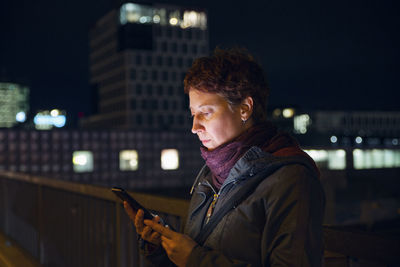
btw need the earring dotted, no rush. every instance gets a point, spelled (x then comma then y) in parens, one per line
(244, 121)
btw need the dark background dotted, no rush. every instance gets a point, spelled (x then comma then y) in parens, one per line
(317, 54)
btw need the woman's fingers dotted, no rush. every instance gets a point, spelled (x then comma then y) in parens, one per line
(146, 233)
(156, 219)
(164, 231)
(155, 237)
(139, 221)
(165, 244)
(131, 213)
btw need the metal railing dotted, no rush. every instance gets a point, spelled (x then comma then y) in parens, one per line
(68, 224)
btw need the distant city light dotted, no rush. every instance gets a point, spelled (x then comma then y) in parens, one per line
(277, 112)
(173, 21)
(54, 112)
(79, 160)
(132, 17)
(317, 155)
(333, 139)
(376, 158)
(301, 122)
(128, 160)
(331, 159)
(144, 14)
(20, 117)
(288, 112)
(130, 7)
(340, 153)
(156, 19)
(190, 18)
(144, 19)
(45, 120)
(82, 161)
(359, 140)
(59, 121)
(14, 104)
(169, 159)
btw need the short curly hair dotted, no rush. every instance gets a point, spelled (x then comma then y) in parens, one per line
(233, 74)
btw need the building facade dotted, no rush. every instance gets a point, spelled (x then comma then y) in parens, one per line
(341, 128)
(139, 55)
(14, 104)
(130, 159)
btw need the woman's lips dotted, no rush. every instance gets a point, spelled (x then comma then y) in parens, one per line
(205, 141)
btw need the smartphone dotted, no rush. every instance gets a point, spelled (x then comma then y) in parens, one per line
(122, 194)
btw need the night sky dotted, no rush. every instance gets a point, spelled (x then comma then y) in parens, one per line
(317, 54)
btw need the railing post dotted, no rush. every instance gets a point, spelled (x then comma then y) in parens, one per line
(118, 233)
(5, 206)
(40, 227)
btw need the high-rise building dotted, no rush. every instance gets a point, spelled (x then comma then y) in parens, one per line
(14, 103)
(139, 54)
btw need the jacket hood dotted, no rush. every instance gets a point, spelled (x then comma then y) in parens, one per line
(256, 159)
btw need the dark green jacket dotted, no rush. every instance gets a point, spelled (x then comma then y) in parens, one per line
(279, 223)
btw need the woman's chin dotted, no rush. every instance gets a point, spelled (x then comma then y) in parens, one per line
(206, 143)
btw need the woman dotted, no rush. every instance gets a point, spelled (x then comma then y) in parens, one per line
(258, 200)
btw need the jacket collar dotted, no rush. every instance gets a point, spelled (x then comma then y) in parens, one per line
(251, 163)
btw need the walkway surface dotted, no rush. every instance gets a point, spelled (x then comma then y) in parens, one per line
(11, 255)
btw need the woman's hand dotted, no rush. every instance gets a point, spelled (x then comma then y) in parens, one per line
(177, 246)
(143, 230)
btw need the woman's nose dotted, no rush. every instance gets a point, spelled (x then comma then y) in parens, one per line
(196, 127)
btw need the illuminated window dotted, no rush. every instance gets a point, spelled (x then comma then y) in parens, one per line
(13, 104)
(337, 159)
(134, 13)
(128, 160)
(330, 159)
(82, 161)
(301, 122)
(144, 14)
(169, 159)
(376, 158)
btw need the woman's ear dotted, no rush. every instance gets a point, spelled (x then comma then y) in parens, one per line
(246, 108)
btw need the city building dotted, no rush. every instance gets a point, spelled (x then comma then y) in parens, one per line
(136, 160)
(139, 54)
(14, 104)
(167, 162)
(341, 128)
(339, 140)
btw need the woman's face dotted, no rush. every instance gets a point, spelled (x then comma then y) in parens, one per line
(214, 122)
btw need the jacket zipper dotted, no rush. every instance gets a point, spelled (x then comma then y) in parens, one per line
(211, 208)
(214, 201)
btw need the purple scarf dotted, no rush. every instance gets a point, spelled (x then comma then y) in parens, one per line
(264, 135)
(221, 160)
